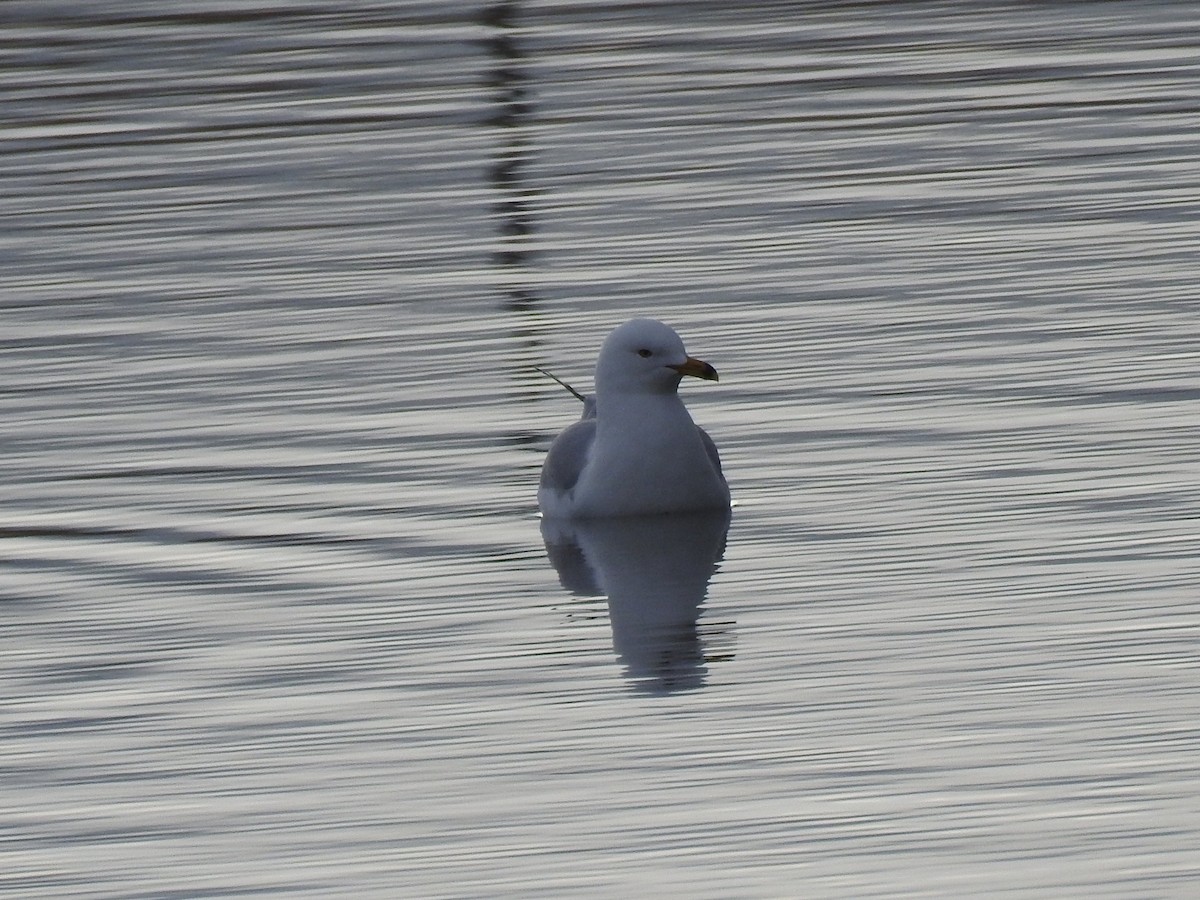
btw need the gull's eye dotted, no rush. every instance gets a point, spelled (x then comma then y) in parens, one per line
(644, 353)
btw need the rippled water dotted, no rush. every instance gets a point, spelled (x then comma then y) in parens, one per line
(279, 615)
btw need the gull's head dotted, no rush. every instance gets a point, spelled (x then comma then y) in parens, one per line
(646, 356)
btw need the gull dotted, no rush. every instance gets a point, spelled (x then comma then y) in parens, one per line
(636, 451)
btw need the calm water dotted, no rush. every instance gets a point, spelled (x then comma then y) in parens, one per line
(279, 616)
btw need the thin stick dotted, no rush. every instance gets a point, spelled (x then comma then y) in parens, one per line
(578, 396)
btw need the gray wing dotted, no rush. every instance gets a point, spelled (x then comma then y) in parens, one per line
(568, 455)
(711, 449)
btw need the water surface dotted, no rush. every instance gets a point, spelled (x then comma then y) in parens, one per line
(279, 614)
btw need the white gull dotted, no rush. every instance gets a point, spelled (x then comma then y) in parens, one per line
(637, 451)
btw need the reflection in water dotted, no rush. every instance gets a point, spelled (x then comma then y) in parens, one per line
(655, 572)
(507, 79)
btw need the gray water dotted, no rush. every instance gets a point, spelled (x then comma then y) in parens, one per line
(279, 616)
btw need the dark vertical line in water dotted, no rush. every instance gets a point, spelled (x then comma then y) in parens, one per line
(508, 82)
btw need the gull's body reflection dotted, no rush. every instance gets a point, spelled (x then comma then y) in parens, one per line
(655, 572)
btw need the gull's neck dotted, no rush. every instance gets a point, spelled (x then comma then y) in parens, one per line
(642, 409)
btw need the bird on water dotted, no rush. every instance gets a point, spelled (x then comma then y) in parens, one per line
(636, 451)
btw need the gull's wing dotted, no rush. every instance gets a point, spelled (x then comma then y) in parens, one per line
(567, 456)
(711, 449)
